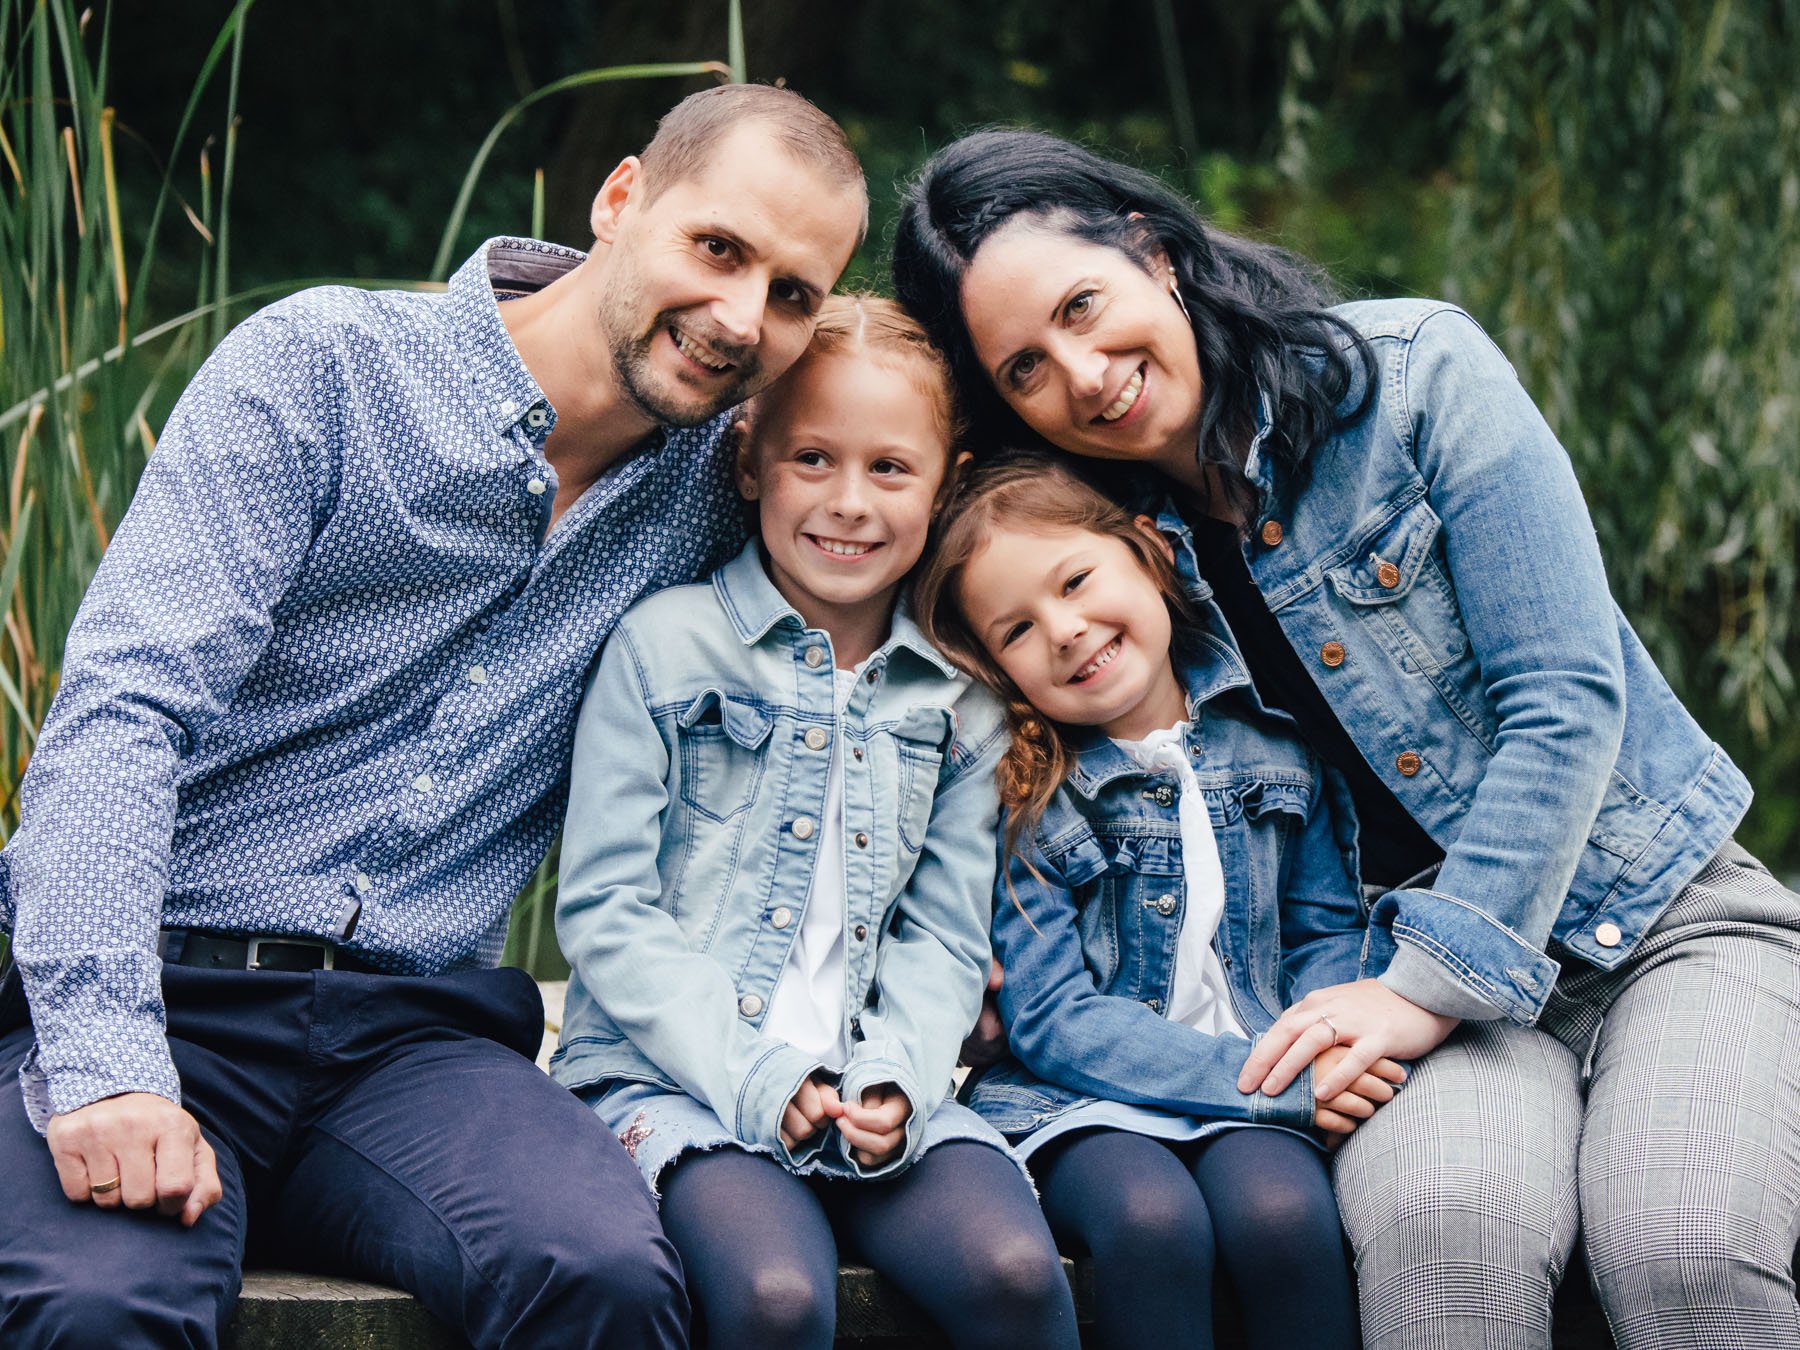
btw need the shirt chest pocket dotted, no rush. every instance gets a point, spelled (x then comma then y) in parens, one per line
(1398, 589)
(920, 739)
(722, 740)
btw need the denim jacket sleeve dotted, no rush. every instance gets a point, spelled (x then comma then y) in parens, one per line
(1323, 924)
(1526, 568)
(629, 951)
(178, 612)
(937, 942)
(1066, 1031)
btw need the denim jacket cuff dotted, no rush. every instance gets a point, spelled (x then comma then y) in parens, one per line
(867, 1074)
(764, 1097)
(1293, 1106)
(1484, 958)
(1418, 979)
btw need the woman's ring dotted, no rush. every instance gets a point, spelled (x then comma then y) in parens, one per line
(1333, 1027)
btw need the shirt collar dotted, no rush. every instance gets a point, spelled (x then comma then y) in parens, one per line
(504, 267)
(755, 607)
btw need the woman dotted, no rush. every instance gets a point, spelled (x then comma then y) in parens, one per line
(1612, 985)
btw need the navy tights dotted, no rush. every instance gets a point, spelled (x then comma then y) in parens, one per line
(958, 1231)
(1156, 1217)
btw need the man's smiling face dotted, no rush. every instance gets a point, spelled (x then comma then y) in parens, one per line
(713, 286)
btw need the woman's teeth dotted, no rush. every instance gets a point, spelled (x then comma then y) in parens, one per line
(1128, 397)
(1105, 657)
(694, 351)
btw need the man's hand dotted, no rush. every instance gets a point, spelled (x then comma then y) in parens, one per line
(153, 1148)
(815, 1103)
(987, 1042)
(875, 1128)
(1348, 1109)
(1366, 1016)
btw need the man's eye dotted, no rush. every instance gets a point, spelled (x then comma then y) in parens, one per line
(787, 293)
(715, 247)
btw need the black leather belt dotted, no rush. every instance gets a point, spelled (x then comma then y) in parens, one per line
(254, 951)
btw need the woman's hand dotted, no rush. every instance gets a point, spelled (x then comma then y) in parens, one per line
(815, 1103)
(875, 1128)
(1366, 1018)
(1349, 1108)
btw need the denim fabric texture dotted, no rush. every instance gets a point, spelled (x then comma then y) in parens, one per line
(324, 680)
(701, 759)
(1089, 947)
(1438, 571)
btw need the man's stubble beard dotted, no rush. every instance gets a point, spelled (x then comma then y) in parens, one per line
(634, 366)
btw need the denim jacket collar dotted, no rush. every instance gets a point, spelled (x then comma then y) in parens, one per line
(754, 607)
(1256, 467)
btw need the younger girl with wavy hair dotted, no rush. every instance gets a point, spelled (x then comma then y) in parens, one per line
(1178, 869)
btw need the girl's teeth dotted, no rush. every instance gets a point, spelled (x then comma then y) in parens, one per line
(843, 549)
(1127, 397)
(1104, 659)
(692, 349)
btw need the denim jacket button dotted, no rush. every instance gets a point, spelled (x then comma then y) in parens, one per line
(815, 657)
(750, 1005)
(1332, 654)
(1387, 574)
(803, 827)
(1165, 905)
(1271, 532)
(1164, 795)
(1153, 1004)
(861, 930)
(1608, 935)
(862, 839)
(815, 738)
(782, 916)
(1408, 763)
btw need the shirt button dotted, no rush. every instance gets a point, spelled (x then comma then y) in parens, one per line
(508, 407)
(1608, 935)
(782, 916)
(816, 738)
(862, 840)
(1387, 574)
(815, 657)
(422, 783)
(477, 674)
(862, 931)
(1332, 654)
(536, 487)
(1271, 532)
(362, 881)
(750, 1005)
(1165, 905)
(1408, 763)
(536, 418)
(803, 827)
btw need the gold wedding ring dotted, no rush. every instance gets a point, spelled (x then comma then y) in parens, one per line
(105, 1187)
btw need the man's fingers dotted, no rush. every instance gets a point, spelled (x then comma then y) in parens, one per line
(1351, 1067)
(176, 1159)
(207, 1189)
(137, 1176)
(72, 1172)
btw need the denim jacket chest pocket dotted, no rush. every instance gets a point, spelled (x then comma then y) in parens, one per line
(1400, 592)
(721, 736)
(1255, 823)
(919, 739)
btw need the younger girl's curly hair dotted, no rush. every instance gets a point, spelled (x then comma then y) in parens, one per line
(1039, 493)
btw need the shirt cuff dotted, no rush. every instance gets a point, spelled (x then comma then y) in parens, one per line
(100, 1032)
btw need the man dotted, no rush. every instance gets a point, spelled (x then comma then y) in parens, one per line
(313, 734)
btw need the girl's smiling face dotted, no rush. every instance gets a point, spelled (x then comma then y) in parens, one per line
(1075, 621)
(1089, 348)
(845, 470)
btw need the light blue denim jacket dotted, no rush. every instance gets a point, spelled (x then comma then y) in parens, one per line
(1488, 677)
(688, 854)
(1089, 949)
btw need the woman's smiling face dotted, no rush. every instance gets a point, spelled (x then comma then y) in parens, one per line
(1086, 346)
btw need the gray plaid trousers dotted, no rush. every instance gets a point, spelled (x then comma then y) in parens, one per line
(1655, 1108)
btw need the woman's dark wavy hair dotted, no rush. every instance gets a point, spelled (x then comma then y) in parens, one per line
(1258, 312)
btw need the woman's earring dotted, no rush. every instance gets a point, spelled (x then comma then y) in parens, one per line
(1175, 290)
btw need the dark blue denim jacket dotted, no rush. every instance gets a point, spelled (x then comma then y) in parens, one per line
(1089, 947)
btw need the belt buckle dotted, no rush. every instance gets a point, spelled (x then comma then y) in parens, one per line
(252, 959)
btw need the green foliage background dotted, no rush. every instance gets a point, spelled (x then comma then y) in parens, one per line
(1612, 188)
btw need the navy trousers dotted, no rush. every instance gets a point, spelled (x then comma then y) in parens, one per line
(382, 1127)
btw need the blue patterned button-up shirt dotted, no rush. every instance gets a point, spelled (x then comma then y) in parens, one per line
(324, 681)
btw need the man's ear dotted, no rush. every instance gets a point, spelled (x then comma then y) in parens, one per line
(1156, 536)
(623, 186)
(745, 461)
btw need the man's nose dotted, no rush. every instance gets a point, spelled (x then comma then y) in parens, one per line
(739, 311)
